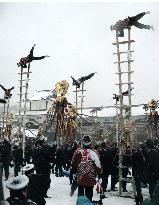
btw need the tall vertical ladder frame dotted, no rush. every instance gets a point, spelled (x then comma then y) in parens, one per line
(81, 96)
(122, 134)
(24, 79)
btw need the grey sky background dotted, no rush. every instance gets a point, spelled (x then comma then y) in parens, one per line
(78, 38)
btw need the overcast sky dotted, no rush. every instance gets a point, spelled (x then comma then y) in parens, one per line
(77, 36)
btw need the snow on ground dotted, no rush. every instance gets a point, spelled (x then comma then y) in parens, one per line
(60, 194)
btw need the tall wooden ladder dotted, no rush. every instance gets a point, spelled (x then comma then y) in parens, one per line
(81, 96)
(124, 127)
(24, 79)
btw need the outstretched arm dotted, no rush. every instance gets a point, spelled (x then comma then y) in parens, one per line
(74, 81)
(11, 88)
(82, 79)
(2, 87)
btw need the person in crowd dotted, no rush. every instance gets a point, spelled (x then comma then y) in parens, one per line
(34, 190)
(155, 197)
(138, 161)
(86, 166)
(6, 156)
(18, 191)
(114, 166)
(17, 155)
(59, 161)
(152, 164)
(126, 163)
(106, 162)
(41, 159)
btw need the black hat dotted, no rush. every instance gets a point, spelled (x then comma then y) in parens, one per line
(86, 140)
(149, 143)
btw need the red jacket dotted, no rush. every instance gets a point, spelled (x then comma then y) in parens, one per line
(86, 164)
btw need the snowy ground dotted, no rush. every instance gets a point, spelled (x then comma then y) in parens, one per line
(60, 194)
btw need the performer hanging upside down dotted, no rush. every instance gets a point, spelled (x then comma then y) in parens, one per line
(29, 58)
(129, 22)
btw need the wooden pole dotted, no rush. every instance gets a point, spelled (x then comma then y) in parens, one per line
(76, 99)
(129, 89)
(24, 115)
(121, 116)
(82, 108)
(117, 123)
(4, 115)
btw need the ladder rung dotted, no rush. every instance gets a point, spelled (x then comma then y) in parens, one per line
(23, 101)
(123, 42)
(25, 72)
(125, 95)
(122, 52)
(22, 94)
(24, 80)
(23, 86)
(124, 61)
(79, 90)
(124, 83)
(125, 72)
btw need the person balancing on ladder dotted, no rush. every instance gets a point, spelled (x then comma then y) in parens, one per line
(23, 61)
(129, 22)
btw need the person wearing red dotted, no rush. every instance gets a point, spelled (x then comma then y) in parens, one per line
(86, 166)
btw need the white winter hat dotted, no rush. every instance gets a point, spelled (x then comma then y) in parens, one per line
(17, 183)
(28, 167)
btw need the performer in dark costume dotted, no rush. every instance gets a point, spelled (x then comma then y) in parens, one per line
(81, 80)
(129, 22)
(7, 92)
(30, 58)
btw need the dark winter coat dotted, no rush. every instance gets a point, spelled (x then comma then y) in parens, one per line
(155, 197)
(35, 189)
(59, 157)
(138, 162)
(41, 159)
(6, 151)
(106, 159)
(152, 163)
(17, 155)
(16, 201)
